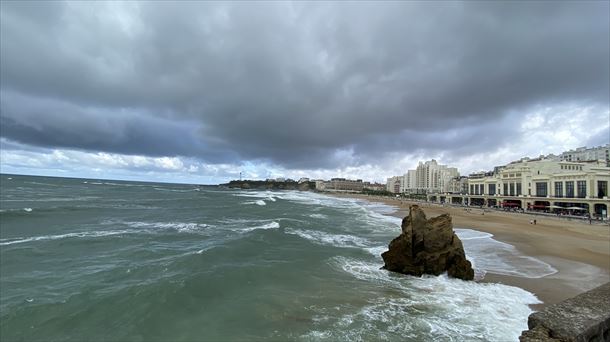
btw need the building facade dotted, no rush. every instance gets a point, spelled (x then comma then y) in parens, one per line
(540, 184)
(587, 154)
(343, 184)
(394, 184)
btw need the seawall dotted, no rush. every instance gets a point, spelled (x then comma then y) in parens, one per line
(585, 318)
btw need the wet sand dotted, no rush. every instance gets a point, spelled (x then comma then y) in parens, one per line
(579, 251)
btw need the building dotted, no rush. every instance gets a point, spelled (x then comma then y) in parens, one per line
(540, 184)
(394, 184)
(458, 185)
(428, 177)
(342, 184)
(409, 182)
(320, 184)
(432, 177)
(374, 186)
(586, 154)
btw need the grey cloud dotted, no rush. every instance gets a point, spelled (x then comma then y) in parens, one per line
(293, 83)
(601, 138)
(53, 123)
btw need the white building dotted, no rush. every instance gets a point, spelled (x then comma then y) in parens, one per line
(433, 177)
(586, 154)
(540, 184)
(394, 184)
(319, 184)
(409, 182)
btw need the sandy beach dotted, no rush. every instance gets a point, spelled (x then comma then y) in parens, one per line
(579, 251)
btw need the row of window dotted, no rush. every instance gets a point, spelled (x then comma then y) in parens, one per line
(515, 189)
(571, 167)
(511, 175)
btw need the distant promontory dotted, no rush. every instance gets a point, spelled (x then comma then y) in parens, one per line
(271, 185)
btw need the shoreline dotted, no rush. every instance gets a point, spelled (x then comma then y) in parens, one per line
(580, 252)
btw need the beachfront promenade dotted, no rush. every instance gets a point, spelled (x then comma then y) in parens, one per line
(596, 208)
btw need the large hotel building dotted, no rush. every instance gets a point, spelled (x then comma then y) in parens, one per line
(545, 184)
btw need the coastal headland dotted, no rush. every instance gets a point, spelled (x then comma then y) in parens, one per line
(580, 252)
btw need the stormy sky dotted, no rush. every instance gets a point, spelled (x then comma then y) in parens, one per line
(199, 91)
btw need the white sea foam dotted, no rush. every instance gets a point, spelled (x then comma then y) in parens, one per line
(93, 234)
(179, 226)
(318, 216)
(53, 199)
(489, 255)
(175, 190)
(45, 184)
(270, 225)
(376, 251)
(438, 308)
(301, 197)
(257, 202)
(16, 210)
(323, 238)
(137, 227)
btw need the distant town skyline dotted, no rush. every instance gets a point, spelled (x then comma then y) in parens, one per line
(197, 92)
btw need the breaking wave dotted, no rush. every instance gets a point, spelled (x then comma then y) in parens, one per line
(425, 308)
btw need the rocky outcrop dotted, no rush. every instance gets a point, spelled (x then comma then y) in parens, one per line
(271, 185)
(585, 318)
(427, 247)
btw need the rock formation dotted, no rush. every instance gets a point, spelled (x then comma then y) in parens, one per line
(427, 247)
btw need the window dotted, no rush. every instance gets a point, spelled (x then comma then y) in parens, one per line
(471, 189)
(602, 189)
(558, 189)
(581, 187)
(492, 189)
(570, 189)
(519, 193)
(541, 190)
(512, 189)
(505, 192)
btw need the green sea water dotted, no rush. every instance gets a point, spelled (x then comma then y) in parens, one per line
(96, 260)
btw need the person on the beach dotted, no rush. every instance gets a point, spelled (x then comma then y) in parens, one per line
(534, 222)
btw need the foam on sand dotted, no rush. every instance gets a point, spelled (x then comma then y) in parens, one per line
(489, 255)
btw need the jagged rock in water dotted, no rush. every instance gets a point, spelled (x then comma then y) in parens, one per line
(427, 247)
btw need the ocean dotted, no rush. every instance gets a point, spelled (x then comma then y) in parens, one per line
(99, 260)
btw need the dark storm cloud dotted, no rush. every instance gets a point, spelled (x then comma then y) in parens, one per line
(298, 84)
